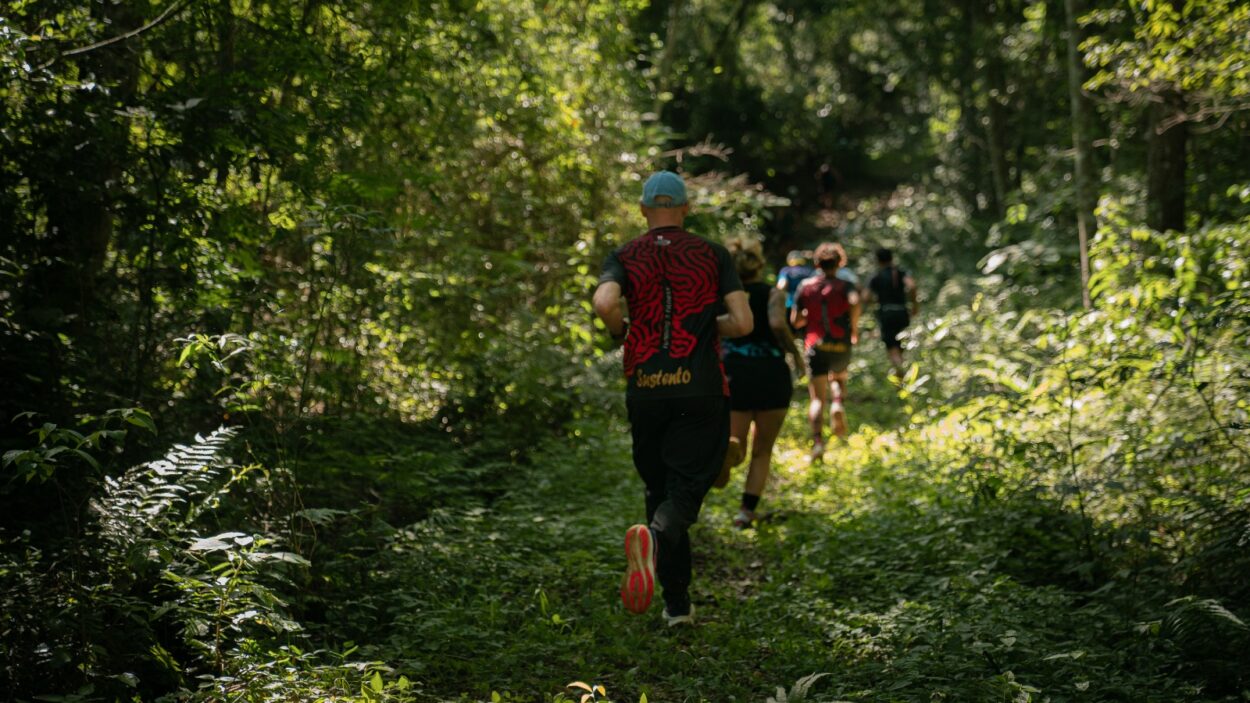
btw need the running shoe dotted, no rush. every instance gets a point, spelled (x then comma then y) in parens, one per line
(733, 456)
(638, 585)
(818, 452)
(744, 519)
(675, 615)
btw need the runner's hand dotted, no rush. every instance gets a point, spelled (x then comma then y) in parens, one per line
(796, 369)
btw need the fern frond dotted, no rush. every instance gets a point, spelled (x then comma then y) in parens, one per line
(1192, 618)
(798, 691)
(163, 495)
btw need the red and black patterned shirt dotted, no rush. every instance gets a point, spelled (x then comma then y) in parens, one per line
(675, 283)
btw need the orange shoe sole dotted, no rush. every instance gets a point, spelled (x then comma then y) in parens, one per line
(638, 585)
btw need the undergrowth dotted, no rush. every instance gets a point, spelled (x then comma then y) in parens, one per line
(1050, 506)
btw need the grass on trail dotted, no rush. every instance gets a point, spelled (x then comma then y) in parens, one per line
(868, 568)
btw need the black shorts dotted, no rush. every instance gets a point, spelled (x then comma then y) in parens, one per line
(828, 357)
(758, 384)
(892, 323)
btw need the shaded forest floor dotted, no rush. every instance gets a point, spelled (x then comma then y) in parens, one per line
(868, 569)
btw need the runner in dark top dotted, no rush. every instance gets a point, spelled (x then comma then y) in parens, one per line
(895, 291)
(827, 307)
(795, 272)
(679, 287)
(759, 379)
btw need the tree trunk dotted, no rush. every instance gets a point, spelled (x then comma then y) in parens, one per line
(1080, 143)
(996, 131)
(972, 164)
(1165, 165)
(79, 199)
(666, 55)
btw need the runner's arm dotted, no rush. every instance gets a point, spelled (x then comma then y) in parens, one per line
(853, 299)
(909, 285)
(781, 327)
(738, 321)
(798, 315)
(607, 305)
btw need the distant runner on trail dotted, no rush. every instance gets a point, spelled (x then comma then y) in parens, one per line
(683, 295)
(894, 289)
(759, 379)
(827, 307)
(795, 272)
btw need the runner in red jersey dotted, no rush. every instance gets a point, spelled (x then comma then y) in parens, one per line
(683, 294)
(827, 308)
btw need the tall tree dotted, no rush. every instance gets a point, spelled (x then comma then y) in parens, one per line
(1166, 163)
(1167, 137)
(1081, 147)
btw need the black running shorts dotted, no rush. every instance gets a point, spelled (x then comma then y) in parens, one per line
(892, 323)
(828, 357)
(758, 384)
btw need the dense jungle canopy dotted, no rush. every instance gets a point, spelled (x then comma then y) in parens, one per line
(303, 398)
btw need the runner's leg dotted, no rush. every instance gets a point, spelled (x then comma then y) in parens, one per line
(646, 423)
(767, 427)
(896, 360)
(693, 450)
(739, 426)
(892, 324)
(818, 392)
(837, 409)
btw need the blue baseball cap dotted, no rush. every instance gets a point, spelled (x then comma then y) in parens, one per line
(664, 189)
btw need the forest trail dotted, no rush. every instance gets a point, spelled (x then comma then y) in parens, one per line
(364, 238)
(860, 572)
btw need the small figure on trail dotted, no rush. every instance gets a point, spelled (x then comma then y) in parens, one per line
(759, 379)
(827, 307)
(677, 285)
(895, 291)
(794, 273)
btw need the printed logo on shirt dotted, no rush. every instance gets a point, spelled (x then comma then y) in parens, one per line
(680, 377)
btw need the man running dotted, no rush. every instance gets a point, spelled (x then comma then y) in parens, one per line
(893, 288)
(827, 307)
(676, 284)
(794, 273)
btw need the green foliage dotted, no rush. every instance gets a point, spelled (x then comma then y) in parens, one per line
(730, 207)
(40, 462)
(139, 569)
(1196, 48)
(364, 234)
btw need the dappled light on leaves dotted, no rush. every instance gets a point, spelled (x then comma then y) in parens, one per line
(304, 396)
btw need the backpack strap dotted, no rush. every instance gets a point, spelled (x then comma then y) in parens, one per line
(824, 317)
